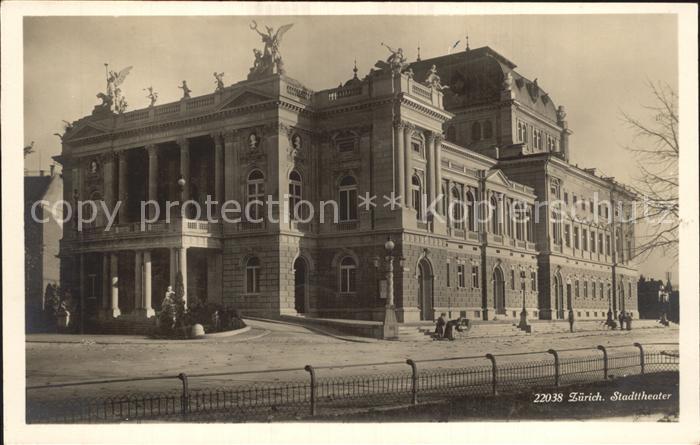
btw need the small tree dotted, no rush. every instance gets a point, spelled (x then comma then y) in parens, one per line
(179, 300)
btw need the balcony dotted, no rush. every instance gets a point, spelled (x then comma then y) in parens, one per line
(174, 233)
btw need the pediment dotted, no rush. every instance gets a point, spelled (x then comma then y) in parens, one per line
(86, 131)
(498, 177)
(245, 98)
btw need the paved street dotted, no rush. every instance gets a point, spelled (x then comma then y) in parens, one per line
(272, 346)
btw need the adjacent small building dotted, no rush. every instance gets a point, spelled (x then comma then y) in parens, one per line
(42, 233)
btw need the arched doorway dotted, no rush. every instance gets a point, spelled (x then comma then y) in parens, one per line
(499, 291)
(558, 289)
(425, 290)
(301, 274)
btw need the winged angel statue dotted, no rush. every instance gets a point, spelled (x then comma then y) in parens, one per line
(113, 99)
(268, 61)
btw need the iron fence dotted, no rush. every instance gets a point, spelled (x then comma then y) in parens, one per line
(330, 395)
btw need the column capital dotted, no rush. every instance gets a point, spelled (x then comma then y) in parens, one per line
(121, 155)
(152, 150)
(229, 135)
(217, 136)
(182, 142)
(435, 137)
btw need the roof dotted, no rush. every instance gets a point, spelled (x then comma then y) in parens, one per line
(477, 76)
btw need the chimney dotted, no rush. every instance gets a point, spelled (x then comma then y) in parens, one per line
(41, 172)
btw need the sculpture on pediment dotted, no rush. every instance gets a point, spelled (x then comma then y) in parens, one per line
(112, 99)
(269, 61)
(396, 60)
(253, 141)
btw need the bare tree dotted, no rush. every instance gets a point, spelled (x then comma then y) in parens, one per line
(655, 148)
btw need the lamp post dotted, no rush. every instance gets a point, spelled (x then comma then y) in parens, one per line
(523, 314)
(390, 327)
(181, 184)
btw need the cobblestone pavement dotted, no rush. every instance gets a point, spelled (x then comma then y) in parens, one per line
(281, 347)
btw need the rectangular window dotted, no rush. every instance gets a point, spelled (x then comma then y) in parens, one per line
(592, 241)
(460, 276)
(566, 197)
(345, 145)
(475, 277)
(593, 289)
(585, 289)
(447, 274)
(576, 238)
(523, 280)
(600, 242)
(416, 147)
(584, 238)
(533, 281)
(512, 279)
(567, 235)
(607, 244)
(576, 289)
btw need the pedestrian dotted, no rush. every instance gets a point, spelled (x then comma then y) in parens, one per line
(621, 317)
(440, 326)
(629, 321)
(571, 320)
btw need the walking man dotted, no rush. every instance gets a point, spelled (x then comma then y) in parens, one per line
(571, 320)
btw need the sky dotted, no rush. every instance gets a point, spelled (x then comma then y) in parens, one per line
(595, 65)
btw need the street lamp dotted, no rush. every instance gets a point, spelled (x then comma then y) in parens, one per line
(181, 182)
(390, 327)
(523, 325)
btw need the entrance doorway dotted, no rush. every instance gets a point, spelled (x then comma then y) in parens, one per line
(559, 296)
(425, 290)
(300, 285)
(499, 291)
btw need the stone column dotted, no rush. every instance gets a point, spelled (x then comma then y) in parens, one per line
(431, 190)
(218, 169)
(230, 174)
(108, 180)
(408, 165)
(184, 144)
(81, 288)
(106, 284)
(138, 281)
(114, 278)
(437, 141)
(173, 266)
(152, 176)
(146, 310)
(182, 268)
(122, 186)
(399, 161)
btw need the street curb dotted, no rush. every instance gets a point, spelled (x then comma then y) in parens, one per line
(315, 329)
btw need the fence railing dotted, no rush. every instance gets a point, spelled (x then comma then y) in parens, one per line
(319, 395)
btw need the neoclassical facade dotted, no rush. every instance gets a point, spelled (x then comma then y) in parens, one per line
(493, 141)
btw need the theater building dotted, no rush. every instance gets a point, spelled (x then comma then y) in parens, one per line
(494, 141)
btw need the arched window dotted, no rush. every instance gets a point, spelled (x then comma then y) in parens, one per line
(295, 196)
(457, 215)
(495, 223)
(488, 130)
(476, 131)
(444, 200)
(348, 275)
(256, 194)
(417, 196)
(508, 217)
(348, 199)
(593, 289)
(471, 211)
(252, 275)
(451, 133)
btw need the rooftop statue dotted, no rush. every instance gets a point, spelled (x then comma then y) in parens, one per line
(396, 61)
(219, 81)
(269, 61)
(152, 95)
(112, 99)
(432, 79)
(185, 90)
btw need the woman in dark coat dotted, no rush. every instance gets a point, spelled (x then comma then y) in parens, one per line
(440, 326)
